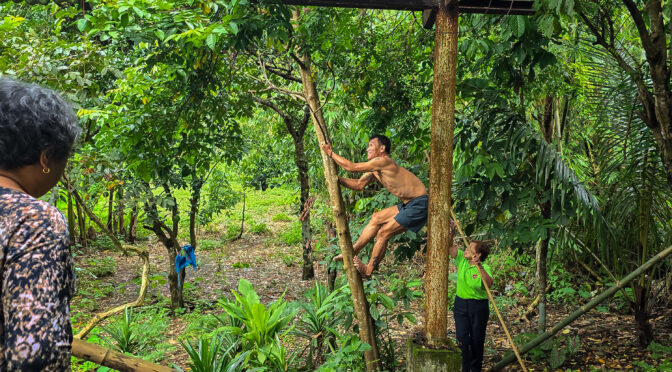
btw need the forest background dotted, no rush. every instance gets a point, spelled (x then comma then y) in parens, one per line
(196, 131)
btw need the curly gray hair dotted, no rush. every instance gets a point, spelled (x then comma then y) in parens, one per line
(34, 119)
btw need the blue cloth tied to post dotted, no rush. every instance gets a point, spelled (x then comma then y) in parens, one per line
(182, 261)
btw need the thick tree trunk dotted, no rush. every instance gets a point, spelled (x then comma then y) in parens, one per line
(361, 305)
(441, 172)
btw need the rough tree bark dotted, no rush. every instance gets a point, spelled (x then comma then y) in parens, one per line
(441, 171)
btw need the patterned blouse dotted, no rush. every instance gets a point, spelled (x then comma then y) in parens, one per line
(36, 270)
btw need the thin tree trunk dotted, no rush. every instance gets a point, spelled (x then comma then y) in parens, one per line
(132, 226)
(168, 237)
(120, 212)
(71, 215)
(361, 305)
(547, 127)
(308, 271)
(542, 280)
(193, 211)
(110, 211)
(331, 271)
(584, 309)
(439, 239)
(82, 224)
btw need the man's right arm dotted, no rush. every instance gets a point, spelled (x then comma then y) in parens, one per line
(357, 184)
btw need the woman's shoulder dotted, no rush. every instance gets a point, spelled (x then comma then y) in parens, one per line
(18, 208)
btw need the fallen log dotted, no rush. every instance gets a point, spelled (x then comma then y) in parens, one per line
(113, 359)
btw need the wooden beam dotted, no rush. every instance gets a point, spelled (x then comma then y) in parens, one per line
(518, 7)
(428, 18)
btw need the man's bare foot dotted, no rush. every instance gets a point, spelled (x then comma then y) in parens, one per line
(361, 267)
(338, 258)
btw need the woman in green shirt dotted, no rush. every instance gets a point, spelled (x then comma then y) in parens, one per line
(471, 309)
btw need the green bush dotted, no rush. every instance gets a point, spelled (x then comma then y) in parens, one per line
(281, 217)
(208, 245)
(258, 228)
(100, 267)
(292, 235)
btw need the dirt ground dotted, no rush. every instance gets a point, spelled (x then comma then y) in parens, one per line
(608, 342)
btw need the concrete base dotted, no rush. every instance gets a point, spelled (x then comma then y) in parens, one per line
(421, 359)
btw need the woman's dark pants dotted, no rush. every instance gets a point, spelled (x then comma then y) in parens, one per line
(471, 318)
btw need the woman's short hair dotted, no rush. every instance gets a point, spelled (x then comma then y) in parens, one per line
(34, 119)
(483, 248)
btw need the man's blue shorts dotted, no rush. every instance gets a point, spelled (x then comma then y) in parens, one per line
(413, 215)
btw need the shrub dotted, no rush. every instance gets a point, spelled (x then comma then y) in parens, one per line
(100, 267)
(292, 235)
(281, 217)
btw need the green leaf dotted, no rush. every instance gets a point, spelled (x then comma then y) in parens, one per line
(82, 23)
(211, 41)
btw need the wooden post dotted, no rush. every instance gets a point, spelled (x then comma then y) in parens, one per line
(366, 328)
(441, 172)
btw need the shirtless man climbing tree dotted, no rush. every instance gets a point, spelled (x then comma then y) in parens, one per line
(411, 214)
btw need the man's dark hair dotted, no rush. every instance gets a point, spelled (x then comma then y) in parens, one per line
(483, 248)
(33, 119)
(383, 141)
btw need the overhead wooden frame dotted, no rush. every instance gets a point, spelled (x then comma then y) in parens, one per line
(519, 7)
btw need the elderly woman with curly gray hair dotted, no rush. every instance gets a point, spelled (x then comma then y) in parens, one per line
(37, 131)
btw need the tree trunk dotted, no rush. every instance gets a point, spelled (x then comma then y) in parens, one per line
(81, 222)
(120, 212)
(584, 309)
(331, 271)
(71, 216)
(361, 305)
(439, 239)
(132, 226)
(548, 131)
(308, 271)
(110, 211)
(542, 280)
(642, 315)
(196, 188)
(168, 237)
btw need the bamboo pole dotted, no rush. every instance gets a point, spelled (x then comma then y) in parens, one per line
(585, 308)
(112, 359)
(487, 289)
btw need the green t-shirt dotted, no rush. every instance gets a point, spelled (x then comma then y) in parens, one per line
(469, 284)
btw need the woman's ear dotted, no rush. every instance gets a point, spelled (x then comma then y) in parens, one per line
(44, 160)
